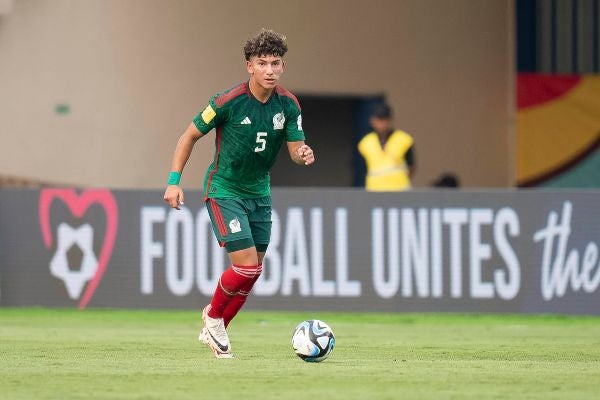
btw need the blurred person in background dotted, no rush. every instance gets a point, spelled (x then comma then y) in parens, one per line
(388, 153)
(447, 180)
(252, 121)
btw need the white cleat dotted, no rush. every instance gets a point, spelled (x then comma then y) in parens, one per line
(214, 335)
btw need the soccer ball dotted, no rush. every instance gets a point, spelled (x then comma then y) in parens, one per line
(313, 340)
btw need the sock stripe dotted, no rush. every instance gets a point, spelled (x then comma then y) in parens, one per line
(227, 292)
(248, 272)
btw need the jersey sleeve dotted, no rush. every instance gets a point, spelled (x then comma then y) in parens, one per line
(293, 126)
(210, 117)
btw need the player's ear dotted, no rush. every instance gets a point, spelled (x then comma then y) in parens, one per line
(249, 67)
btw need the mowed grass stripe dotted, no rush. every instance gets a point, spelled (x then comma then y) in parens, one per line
(122, 354)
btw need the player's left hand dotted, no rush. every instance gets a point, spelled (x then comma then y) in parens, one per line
(307, 154)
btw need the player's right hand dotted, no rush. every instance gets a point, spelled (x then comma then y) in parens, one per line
(174, 196)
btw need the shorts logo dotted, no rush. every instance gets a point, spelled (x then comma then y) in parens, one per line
(235, 226)
(92, 266)
(278, 121)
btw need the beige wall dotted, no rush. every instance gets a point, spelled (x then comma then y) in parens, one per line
(135, 72)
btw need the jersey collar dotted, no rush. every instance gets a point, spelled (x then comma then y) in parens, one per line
(257, 100)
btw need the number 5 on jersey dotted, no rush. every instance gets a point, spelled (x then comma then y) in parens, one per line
(261, 139)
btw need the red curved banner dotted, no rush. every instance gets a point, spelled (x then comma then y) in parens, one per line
(558, 124)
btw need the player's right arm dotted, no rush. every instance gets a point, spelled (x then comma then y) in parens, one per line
(174, 194)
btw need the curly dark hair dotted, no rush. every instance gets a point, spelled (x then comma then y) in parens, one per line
(266, 43)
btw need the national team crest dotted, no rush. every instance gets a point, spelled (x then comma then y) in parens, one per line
(235, 225)
(278, 121)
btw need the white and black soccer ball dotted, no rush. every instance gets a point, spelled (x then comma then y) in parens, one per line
(313, 340)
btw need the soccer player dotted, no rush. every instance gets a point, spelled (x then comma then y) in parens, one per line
(252, 120)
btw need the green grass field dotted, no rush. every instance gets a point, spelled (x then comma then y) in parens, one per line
(108, 354)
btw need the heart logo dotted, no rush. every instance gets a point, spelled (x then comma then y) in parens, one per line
(78, 205)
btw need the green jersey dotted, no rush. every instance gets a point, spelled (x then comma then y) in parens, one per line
(249, 136)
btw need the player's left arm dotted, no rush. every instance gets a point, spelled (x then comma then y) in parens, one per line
(301, 153)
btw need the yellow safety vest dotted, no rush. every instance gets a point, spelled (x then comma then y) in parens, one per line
(386, 167)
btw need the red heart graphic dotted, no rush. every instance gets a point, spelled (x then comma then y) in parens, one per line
(78, 204)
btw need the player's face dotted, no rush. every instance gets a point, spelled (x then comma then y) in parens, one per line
(265, 70)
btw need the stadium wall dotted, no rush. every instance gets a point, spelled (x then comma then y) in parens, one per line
(95, 93)
(481, 251)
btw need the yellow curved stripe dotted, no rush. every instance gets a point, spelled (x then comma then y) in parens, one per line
(552, 134)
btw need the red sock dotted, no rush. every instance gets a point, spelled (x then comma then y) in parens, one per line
(237, 302)
(229, 285)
